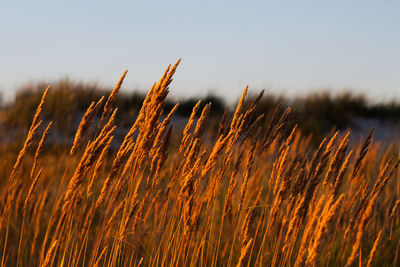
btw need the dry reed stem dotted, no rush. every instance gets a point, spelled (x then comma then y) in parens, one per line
(50, 254)
(334, 166)
(91, 154)
(39, 149)
(212, 159)
(222, 126)
(97, 168)
(185, 135)
(308, 232)
(374, 249)
(32, 131)
(246, 177)
(111, 220)
(38, 216)
(108, 106)
(85, 124)
(328, 214)
(235, 120)
(340, 176)
(363, 152)
(23, 151)
(361, 229)
(244, 253)
(39, 108)
(393, 217)
(100, 258)
(31, 189)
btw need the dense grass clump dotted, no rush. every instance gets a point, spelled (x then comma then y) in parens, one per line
(256, 193)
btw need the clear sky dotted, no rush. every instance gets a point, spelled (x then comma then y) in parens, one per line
(282, 46)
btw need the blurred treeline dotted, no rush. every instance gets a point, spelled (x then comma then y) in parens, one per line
(315, 113)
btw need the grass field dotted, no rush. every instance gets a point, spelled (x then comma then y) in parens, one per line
(177, 197)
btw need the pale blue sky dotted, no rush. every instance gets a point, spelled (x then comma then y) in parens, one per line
(283, 46)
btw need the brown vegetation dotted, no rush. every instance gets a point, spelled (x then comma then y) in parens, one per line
(248, 197)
